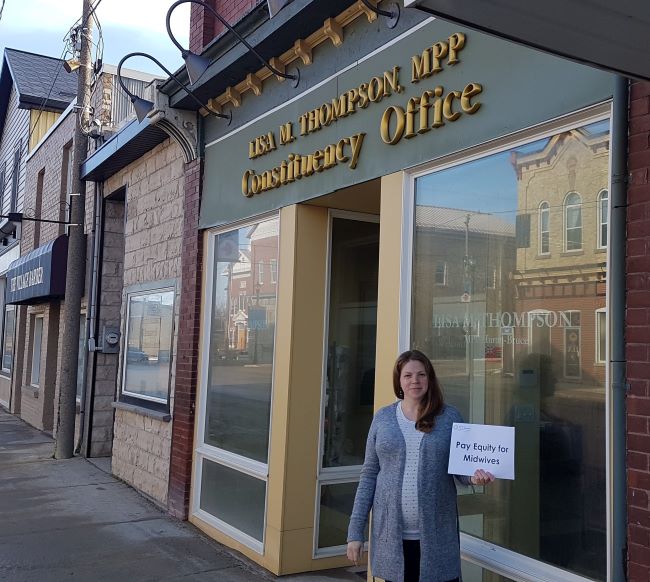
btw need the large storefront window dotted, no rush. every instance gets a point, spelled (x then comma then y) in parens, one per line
(528, 351)
(9, 330)
(239, 378)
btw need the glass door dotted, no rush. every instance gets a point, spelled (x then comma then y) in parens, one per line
(349, 379)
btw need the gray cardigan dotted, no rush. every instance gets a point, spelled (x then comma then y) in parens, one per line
(380, 488)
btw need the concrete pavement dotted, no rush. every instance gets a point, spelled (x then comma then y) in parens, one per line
(72, 520)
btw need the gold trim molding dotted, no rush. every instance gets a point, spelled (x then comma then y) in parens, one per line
(332, 31)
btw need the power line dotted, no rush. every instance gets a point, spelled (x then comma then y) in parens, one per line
(2, 7)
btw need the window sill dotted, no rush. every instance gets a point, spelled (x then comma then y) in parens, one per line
(600, 250)
(543, 256)
(33, 391)
(5, 374)
(575, 253)
(142, 411)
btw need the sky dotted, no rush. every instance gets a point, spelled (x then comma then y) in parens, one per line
(40, 26)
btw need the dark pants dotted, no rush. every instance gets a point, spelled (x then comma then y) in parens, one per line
(412, 561)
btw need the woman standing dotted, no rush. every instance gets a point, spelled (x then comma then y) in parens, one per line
(404, 481)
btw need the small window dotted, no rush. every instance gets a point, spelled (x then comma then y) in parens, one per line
(37, 344)
(544, 228)
(8, 338)
(603, 218)
(274, 270)
(440, 275)
(491, 282)
(260, 274)
(573, 222)
(147, 361)
(601, 336)
(15, 181)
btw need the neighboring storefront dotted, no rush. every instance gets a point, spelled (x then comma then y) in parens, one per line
(427, 186)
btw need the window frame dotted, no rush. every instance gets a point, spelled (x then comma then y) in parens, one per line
(544, 207)
(566, 207)
(37, 317)
(8, 371)
(139, 400)
(445, 281)
(490, 556)
(202, 450)
(603, 194)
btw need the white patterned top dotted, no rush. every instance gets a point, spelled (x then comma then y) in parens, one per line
(413, 438)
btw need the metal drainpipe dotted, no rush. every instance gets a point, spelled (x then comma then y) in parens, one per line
(616, 276)
(91, 311)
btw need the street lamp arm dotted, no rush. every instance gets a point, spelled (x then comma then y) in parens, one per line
(185, 53)
(135, 98)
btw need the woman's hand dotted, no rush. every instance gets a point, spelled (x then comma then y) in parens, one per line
(480, 477)
(354, 552)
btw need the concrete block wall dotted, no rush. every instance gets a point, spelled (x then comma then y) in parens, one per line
(153, 242)
(638, 333)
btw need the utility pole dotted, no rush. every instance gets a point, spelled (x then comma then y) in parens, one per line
(76, 270)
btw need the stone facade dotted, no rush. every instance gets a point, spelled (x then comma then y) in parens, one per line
(153, 242)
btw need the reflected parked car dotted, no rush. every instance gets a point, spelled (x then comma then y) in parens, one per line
(136, 355)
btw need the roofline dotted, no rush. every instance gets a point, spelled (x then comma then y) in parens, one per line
(128, 145)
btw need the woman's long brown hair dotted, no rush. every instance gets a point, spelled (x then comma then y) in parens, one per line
(432, 403)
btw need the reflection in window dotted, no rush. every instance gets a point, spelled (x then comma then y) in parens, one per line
(241, 356)
(147, 360)
(9, 330)
(601, 336)
(441, 274)
(513, 355)
(573, 221)
(37, 344)
(544, 228)
(603, 213)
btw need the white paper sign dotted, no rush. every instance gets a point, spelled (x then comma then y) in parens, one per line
(482, 446)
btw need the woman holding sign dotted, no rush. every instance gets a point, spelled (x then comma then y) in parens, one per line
(404, 481)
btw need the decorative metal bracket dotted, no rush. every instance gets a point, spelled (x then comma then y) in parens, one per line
(391, 15)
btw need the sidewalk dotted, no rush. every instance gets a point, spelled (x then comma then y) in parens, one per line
(71, 520)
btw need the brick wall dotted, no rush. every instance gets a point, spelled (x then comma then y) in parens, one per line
(188, 346)
(204, 26)
(638, 333)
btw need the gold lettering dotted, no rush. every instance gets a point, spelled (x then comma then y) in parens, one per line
(447, 107)
(438, 51)
(421, 66)
(425, 105)
(376, 89)
(437, 107)
(286, 133)
(400, 122)
(340, 151)
(245, 189)
(364, 100)
(318, 156)
(470, 90)
(356, 141)
(456, 44)
(352, 97)
(411, 108)
(391, 81)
